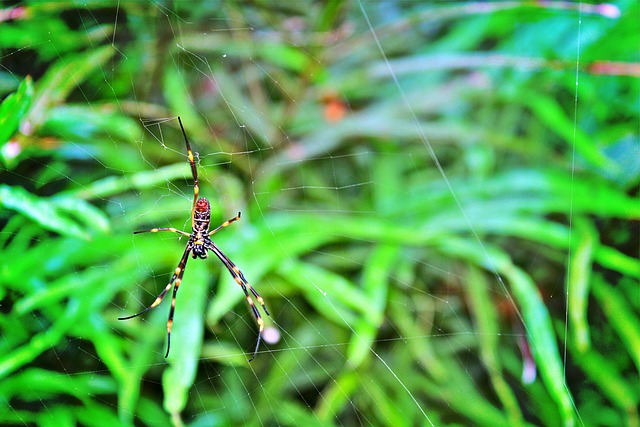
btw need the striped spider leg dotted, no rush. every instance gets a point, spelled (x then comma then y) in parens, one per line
(199, 245)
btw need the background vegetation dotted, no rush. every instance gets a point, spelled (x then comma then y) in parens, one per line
(438, 199)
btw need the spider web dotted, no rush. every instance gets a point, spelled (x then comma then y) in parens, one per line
(299, 187)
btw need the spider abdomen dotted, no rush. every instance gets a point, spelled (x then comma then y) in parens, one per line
(202, 205)
(201, 216)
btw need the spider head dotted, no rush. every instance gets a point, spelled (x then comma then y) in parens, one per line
(199, 251)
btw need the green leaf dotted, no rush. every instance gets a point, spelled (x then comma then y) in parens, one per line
(295, 414)
(377, 273)
(285, 56)
(550, 113)
(533, 312)
(333, 295)
(97, 415)
(618, 388)
(12, 110)
(39, 343)
(66, 216)
(64, 76)
(80, 121)
(186, 339)
(33, 384)
(144, 180)
(337, 394)
(578, 278)
(623, 320)
(486, 318)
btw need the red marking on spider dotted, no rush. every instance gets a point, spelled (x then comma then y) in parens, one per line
(202, 205)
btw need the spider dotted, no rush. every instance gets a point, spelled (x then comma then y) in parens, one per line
(198, 245)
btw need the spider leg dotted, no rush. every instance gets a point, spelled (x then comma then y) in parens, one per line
(194, 172)
(240, 279)
(182, 265)
(176, 278)
(224, 224)
(155, 230)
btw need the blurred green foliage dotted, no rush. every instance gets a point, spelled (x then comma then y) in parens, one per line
(436, 198)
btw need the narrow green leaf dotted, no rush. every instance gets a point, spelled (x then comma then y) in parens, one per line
(12, 110)
(96, 415)
(424, 349)
(109, 349)
(550, 113)
(112, 185)
(224, 353)
(258, 123)
(602, 371)
(333, 294)
(58, 416)
(258, 239)
(536, 317)
(80, 121)
(542, 338)
(67, 216)
(285, 56)
(337, 394)
(578, 278)
(617, 261)
(518, 191)
(186, 338)
(15, 359)
(388, 410)
(294, 414)
(34, 384)
(375, 286)
(459, 391)
(623, 320)
(63, 77)
(486, 317)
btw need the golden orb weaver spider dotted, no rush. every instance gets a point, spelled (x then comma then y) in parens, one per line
(198, 245)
